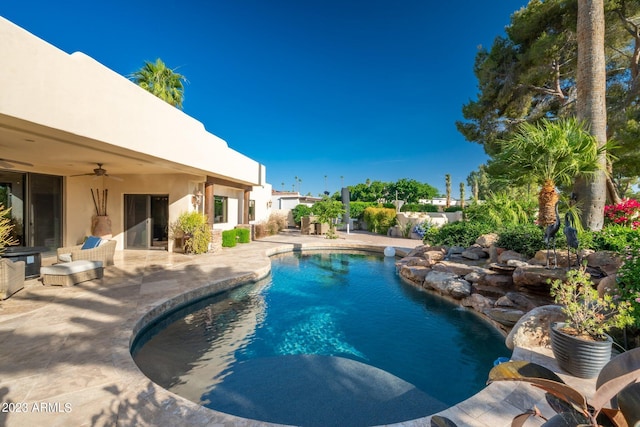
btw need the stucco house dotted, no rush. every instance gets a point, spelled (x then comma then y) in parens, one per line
(63, 115)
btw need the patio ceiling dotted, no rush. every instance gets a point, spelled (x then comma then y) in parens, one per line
(55, 152)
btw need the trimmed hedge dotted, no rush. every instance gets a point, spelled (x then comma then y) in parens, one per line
(244, 235)
(229, 238)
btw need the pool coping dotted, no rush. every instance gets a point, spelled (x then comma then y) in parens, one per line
(95, 373)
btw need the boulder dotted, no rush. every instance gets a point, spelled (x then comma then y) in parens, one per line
(521, 300)
(415, 273)
(478, 302)
(535, 277)
(504, 301)
(458, 268)
(607, 285)
(508, 255)
(532, 330)
(458, 288)
(470, 255)
(473, 277)
(438, 280)
(496, 279)
(487, 240)
(607, 261)
(505, 316)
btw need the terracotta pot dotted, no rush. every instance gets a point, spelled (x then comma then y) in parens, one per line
(101, 226)
(577, 356)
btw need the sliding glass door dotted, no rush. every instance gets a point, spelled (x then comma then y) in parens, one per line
(146, 221)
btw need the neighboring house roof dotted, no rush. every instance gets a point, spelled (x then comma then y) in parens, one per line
(64, 113)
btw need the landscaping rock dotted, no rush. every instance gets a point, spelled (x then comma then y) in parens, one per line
(607, 261)
(458, 288)
(521, 301)
(491, 278)
(607, 285)
(532, 330)
(415, 273)
(478, 302)
(487, 240)
(535, 277)
(509, 255)
(458, 268)
(470, 255)
(438, 280)
(505, 316)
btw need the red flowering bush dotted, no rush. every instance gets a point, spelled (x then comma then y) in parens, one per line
(625, 213)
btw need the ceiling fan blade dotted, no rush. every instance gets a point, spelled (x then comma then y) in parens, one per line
(117, 178)
(82, 174)
(9, 163)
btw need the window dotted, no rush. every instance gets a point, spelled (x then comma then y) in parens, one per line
(252, 210)
(220, 209)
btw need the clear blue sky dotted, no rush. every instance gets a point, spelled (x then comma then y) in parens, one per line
(353, 88)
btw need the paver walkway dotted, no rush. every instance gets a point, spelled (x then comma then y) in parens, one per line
(64, 352)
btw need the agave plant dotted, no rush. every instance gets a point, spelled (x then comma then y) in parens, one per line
(617, 387)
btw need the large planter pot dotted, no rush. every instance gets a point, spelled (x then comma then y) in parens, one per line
(579, 357)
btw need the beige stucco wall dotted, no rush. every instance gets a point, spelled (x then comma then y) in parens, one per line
(79, 207)
(79, 95)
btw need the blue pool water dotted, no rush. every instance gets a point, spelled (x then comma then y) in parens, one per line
(347, 306)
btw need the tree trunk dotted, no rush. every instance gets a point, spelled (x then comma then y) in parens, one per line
(591, 105)
(547, 198)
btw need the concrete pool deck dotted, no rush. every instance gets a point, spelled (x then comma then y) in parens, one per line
(64, 352)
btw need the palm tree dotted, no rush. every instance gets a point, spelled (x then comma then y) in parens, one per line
(462, 195)
(591, 105)
(161, 81)
(447, 180)
(549, 154)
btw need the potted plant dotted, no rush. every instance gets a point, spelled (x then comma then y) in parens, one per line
(581, 344)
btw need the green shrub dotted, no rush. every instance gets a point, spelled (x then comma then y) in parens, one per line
(356, 209)
(418, 207)
(379, 220)
(461, 233)
(453, 209)
(615, 238)
(299, 211)
(229, 238)
(244, 235)
(197, 234)
(526, 239)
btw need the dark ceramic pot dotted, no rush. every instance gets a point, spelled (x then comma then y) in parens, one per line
(579, 357)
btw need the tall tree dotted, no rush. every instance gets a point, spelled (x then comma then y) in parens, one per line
(161, 81)
(462, 195)
(591, 108)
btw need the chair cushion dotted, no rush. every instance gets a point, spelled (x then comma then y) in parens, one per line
(91, 242)
(64, 258)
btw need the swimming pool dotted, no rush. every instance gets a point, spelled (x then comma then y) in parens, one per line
(328, 333)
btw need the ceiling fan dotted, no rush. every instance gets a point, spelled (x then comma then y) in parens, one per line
(98, 172)
(9, 164)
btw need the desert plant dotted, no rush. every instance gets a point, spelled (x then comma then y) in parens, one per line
(229, 238)
(6, 229)
(197, 235)
(379, 220)
(618, 380)
(587, 314)
(551, 154)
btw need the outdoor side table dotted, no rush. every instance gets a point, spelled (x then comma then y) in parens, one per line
(30, 255)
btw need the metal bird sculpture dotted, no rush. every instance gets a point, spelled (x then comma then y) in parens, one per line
(550, 237)
(571, 233)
